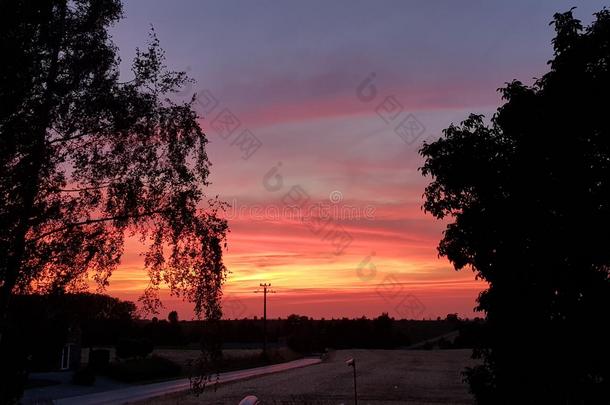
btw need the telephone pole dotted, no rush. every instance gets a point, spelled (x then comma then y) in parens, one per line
(265, 291)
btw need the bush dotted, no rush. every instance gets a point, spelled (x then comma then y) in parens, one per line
(85, 376)
(481, 384)
(143, 369)
(133, 348)
(99, 359)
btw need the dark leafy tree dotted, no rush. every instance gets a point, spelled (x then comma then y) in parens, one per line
(87, 158)
(529, 198)
(172, 317)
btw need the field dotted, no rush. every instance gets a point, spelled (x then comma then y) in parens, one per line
(384, 377)
(183, 357)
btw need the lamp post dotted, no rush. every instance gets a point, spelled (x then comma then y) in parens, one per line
(351, 362)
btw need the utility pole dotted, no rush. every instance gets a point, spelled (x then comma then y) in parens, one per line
(265, 291)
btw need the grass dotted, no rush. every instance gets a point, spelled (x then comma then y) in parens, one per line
(249, 360)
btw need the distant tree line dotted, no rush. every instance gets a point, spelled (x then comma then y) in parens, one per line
(305, 335)
(47, 322)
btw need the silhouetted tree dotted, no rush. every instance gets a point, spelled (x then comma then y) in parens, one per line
(529, 195)
(45, 323)
(452, 318)
(383, 332)
(86, 157)
(172, 317)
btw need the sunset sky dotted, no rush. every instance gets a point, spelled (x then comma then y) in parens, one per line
(290, 73)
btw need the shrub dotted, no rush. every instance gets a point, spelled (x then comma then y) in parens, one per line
(133, 348)
(99, 359)
(481, 383)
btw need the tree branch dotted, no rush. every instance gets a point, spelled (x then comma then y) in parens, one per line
(93, 221)
(76, 190)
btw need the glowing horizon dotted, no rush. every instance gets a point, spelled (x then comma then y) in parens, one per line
(269, 243)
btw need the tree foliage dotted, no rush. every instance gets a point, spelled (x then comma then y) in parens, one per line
(528, 198)
(88, 158)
